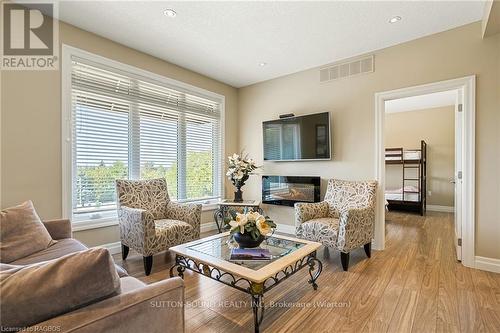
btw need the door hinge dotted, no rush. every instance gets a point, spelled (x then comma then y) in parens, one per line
(459, 176)
(459, 242)
(460, 107)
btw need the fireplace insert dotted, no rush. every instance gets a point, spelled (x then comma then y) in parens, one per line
(287, 190)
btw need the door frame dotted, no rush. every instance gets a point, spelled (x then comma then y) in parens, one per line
(468, 87)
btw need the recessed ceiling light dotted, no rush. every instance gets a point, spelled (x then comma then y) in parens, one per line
(395, 19)
(262, 64)
(170, 12)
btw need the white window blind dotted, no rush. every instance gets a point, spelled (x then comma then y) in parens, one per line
(126, 126)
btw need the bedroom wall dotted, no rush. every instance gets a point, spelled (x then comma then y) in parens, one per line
(31, 126)
(436, 127)
(455, 53)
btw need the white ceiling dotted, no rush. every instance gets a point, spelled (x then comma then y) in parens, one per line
(435, 100)
(227, 40)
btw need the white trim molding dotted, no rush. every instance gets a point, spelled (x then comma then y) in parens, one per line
(285, 228)
(487, 264)
(93, 224)
(113, 248)
(208, 226)
(438, 208)
(467, 86)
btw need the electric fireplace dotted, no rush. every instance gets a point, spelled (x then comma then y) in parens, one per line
(287, 190)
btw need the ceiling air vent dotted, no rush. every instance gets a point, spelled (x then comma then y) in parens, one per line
(346, 69)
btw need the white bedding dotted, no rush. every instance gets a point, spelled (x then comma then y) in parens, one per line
(411, 154)
(397, 194)
(407, 155)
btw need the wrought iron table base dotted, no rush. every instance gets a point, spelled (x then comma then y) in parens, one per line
(256, 290)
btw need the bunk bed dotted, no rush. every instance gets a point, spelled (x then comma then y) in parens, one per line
(411, 196)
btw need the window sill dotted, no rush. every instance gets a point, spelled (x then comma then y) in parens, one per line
(112, 221)
(94, 224)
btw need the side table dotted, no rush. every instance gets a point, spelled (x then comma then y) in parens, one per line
(226, 205)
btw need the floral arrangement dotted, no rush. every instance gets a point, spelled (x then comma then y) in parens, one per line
(253, 223)
(239, 168)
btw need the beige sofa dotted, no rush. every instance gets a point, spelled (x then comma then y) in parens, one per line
(137, 308)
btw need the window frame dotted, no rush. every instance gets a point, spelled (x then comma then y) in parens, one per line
(68, 52)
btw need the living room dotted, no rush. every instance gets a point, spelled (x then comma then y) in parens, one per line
(148, 137)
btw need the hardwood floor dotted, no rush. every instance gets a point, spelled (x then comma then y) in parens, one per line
(415, 285)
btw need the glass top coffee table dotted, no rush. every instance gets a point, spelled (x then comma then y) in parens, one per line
(210, 257)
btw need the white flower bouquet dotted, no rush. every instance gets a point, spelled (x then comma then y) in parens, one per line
(252, 225)
(238, 171)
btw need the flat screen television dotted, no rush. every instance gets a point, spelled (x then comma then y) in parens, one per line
(304, 137)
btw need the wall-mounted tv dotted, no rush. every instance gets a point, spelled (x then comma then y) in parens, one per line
(304, 137)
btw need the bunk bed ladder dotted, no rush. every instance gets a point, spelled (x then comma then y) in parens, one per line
(417, 179)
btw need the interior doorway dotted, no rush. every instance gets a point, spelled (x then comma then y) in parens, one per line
(463, 92)
(421, 160)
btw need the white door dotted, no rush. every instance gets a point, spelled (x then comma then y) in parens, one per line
(458, 171)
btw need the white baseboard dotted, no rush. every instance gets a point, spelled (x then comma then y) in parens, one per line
(285, 228)
(208, 226)
(113, 248)
(487, 264)
(437, 208)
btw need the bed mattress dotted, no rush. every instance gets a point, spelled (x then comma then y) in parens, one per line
(397, 194)
(407, 155)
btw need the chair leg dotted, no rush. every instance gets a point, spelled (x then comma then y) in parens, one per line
(148, 264)
(368, 250)
(344, 258)
(125, 249)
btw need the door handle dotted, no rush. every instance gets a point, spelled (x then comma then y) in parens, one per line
(453, 181)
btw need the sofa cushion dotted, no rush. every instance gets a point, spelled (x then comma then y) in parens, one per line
(75, 280)
(21, 232)
(322, 230)
(59, 249)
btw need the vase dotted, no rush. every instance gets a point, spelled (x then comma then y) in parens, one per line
(238, 195)
(246, 241)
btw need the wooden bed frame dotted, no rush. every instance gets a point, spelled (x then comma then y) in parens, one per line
(397, 156)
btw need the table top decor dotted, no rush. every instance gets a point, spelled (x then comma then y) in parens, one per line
(238, 171)
(250, 229)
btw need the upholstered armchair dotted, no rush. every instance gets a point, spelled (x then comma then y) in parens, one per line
(150, 222)
(343, 221)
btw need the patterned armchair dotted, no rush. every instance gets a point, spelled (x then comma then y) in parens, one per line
(343, 221)
(150, 222)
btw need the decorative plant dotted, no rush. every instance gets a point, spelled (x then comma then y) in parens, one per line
(253, 223)
(238, 171)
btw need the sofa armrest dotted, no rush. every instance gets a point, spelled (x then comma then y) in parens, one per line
(305, 211)
(187, 212)
(355, 228)
(59, 229)
(155, 308)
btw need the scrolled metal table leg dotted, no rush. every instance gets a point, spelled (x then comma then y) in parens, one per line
(258, 311)
(180, 268)
(312, 261)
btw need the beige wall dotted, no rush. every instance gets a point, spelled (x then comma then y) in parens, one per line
(456, 53)
(31, 126)
(437, 128)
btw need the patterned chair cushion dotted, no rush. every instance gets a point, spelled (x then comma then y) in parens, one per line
(150, 195)
(322, 230)
(174, 232)
(343, 195)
